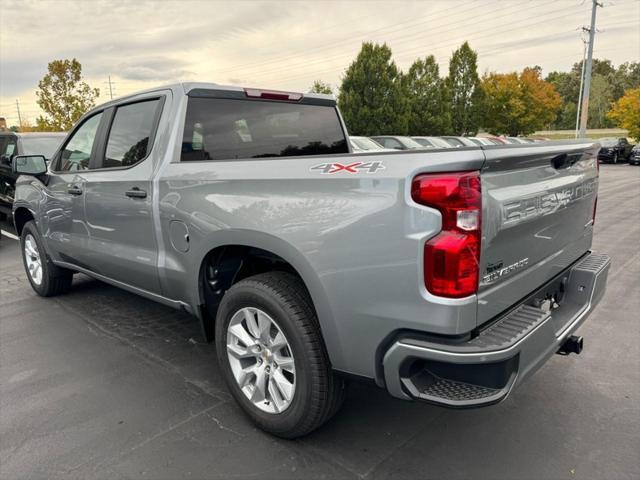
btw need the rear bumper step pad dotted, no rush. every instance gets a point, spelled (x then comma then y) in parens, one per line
(483, 370)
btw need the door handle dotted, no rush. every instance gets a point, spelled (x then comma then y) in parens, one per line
(135, 192)
(75, 190)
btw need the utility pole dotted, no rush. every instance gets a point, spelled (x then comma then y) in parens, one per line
(110, 83)
(19, 116)
(584, 56)
(584, 115)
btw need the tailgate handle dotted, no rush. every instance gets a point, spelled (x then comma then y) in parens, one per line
(565, 160)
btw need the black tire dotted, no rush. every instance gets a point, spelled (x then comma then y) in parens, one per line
(55, 280)
(319, 392)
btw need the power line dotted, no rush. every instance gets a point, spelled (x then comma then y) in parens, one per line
(400, 53)
(304, 52)
(517, 25)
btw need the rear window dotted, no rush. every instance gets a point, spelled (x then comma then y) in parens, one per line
(219, 129)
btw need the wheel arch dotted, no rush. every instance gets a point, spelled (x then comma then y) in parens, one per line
(231, 247)
(22, 215)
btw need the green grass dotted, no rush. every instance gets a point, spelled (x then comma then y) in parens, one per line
(595, 134)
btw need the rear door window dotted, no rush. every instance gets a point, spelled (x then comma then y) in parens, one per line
(222, 129)
(130, 134)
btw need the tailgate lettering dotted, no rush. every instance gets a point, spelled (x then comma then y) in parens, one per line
(526, 209)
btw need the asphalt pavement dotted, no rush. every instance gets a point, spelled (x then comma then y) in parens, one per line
(100, 383)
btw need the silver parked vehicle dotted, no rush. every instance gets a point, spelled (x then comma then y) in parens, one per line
(397, 142)
(484, 141)
(424, 271)
(432, 142)
(459, 141)
(365, 144)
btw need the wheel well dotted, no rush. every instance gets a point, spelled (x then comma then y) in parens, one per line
(20, 217)
(224, 266)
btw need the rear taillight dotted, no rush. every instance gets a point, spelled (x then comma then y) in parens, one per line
(452, 257)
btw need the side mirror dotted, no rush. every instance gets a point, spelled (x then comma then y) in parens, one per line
(29, 165)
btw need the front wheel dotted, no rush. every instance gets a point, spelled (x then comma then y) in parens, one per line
(45, 278)
(272, 355)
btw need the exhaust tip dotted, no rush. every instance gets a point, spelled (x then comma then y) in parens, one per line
(573, 344)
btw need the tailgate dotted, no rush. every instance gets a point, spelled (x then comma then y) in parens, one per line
(538, 204)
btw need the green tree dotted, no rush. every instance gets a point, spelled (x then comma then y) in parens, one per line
(371, 97)
(464, 92)
(626, 77)
(428, 107)
(608, 85)
(518, 103)
(567, 84)
(600, 98)
(63, 96)
(320, 87)
(626, 112)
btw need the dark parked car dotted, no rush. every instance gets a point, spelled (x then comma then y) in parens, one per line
(397, 142)
(614, 150)
(634, 157)
(12, 144)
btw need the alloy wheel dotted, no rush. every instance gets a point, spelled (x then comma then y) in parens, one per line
(261, 360)
(32, 257)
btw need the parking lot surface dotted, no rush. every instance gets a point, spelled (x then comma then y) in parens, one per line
(100, 383)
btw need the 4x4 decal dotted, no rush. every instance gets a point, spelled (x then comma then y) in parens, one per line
(355, 167)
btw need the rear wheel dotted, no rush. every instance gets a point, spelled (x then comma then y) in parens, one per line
(272, 355)
(45, 278)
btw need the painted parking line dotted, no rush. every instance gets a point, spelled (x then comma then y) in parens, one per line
(9, 234)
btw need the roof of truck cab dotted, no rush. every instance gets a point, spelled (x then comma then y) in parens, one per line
(187, 87)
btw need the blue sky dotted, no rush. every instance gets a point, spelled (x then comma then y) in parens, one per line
(287, 45)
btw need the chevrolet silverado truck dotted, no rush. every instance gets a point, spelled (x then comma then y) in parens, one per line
(445, 276)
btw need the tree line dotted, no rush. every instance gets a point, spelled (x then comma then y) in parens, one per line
(377, 98)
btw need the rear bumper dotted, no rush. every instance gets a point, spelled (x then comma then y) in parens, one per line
(484, 369)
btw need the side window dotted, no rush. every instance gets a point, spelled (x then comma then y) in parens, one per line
(77, 151)
(130, 134)
(8, 148)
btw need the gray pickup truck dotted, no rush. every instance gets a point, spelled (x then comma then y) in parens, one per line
(446, 276)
